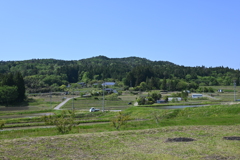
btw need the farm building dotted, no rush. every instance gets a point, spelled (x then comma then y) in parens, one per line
(174, 98)
(108, 84)
(197, 95)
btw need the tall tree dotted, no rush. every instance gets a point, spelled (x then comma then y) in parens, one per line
(19, 82)
(164, 84)
(8, 94)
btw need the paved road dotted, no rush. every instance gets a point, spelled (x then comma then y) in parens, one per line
(64, 102)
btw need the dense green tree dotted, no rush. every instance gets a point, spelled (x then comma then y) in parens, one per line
(19, 82)
(172, 85)
(164, 84)
(155, 96)
(85, 77)
(8, 94)
(12, 88)
(143, 86)
(141, 100)
(181, 86)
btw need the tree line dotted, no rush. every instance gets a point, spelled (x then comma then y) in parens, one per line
(44, 75)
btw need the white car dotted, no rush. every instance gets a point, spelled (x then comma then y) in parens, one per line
(93, 109)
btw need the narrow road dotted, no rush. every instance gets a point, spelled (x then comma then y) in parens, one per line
(64, 102)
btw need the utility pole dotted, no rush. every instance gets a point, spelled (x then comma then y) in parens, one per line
(73, 100)
(234, 84)
(50, 99)
(103, 103)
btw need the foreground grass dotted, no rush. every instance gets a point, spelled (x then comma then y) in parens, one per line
(141, 138)
(135, 144)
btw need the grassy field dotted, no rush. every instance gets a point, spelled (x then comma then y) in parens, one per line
(228, 94)
(97, 102)
(136, 144)
(141, 138)
(147, 135)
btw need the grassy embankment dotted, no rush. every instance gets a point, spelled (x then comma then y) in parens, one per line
(142, 138)
(137, 139)
(143, 118)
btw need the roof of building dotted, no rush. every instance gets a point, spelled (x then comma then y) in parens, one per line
(108, 83)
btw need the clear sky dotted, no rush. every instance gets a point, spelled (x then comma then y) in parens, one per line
(184, 32)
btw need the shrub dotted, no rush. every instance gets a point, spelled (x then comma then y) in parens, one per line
(149, 100)
(119, 120)
(155, 96)
(141, 100)
(112, 97)
(2, 123)
(63, 122)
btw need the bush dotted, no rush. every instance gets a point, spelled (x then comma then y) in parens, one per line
(155, 96)
(119, 93)
(2, 123)
(63, 122)
(149, 100)
(141, 100)
(119, 120)
(112, 97)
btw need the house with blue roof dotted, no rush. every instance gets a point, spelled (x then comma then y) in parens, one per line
(108, 84)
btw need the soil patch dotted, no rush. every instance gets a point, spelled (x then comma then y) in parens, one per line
(180, 139)
(232, 138)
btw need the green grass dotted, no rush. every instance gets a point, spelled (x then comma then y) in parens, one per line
(87, 103)
(228, 94)
(140, 138)
(142, 118)
(144, 144)
(25, 112)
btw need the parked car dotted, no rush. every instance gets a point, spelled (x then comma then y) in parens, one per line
(93, 110)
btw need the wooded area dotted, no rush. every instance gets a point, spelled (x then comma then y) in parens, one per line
(45, 75)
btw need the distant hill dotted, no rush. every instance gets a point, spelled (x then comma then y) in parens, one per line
(42, 74)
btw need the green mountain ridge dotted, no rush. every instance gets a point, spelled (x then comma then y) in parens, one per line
(42, 75)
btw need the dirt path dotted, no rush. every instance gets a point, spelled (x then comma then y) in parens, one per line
(64, 102)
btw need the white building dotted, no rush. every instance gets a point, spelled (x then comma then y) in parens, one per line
(174, 98)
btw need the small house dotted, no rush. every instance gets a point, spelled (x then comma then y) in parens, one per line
(108, 84)
(174, 99)
(197, 95)
(109, 90)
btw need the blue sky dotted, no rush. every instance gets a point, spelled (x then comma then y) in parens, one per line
(184, 32)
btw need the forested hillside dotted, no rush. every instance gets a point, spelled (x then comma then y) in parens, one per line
(43, 75)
